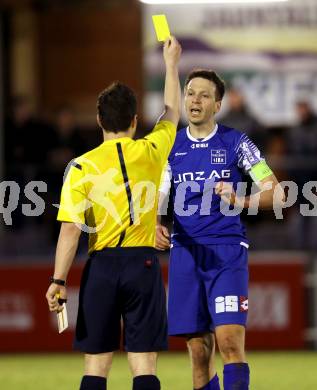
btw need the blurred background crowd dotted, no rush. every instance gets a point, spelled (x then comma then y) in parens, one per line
(39, 147)
(56, 58)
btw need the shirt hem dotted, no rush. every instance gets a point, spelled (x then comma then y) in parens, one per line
(211, 241)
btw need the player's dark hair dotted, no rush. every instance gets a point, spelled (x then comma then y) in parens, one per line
(211, 76)
(116, 106)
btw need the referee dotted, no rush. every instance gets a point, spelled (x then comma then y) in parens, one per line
(111, 193)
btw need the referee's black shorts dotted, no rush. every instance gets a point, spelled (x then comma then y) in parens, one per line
(122, 283)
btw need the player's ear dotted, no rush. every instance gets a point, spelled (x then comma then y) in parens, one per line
(217, 106)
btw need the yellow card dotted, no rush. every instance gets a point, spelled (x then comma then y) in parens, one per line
(161, 27)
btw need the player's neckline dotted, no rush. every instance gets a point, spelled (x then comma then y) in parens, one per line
(209, 136)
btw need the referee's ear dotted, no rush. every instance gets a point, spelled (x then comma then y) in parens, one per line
(98, 121)
(134, 122)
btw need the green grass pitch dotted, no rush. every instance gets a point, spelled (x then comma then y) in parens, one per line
(269, 371)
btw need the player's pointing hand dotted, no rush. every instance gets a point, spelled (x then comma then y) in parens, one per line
(226, 192)
(228, 195)
(172, 51)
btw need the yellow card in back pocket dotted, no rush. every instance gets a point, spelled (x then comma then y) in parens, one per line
(161, 27)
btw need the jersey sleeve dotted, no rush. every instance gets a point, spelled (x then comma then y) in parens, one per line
(166, 178)
(162, 138)
(73, 200)
(248, 154)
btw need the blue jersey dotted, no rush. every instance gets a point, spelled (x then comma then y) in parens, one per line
(194, 166)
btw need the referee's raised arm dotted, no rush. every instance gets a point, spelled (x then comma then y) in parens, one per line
(163, 134)
(172, 91)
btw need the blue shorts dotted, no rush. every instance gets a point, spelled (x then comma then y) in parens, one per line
(208, 287)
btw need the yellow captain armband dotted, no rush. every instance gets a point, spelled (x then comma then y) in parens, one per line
(260, 171)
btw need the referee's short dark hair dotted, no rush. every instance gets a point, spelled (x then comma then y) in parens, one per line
(211, 76)
(116, 106)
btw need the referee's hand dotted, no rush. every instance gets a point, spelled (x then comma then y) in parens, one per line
(172, 51)
(162, 241)
(54, 295)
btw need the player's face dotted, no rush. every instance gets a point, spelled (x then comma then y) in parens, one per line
(200, 101)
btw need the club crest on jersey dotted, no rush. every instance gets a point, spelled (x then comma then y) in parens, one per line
(218, 156)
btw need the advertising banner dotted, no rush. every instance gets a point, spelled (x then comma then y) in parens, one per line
(276, 305)
(267, 51)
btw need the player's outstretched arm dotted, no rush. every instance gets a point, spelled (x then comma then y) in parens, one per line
(250, 160)
(271, 194)
(172, 91)
(65, 253)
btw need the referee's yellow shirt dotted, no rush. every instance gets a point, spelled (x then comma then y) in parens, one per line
(112, 191)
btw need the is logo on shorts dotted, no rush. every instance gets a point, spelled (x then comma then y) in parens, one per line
(231, 303)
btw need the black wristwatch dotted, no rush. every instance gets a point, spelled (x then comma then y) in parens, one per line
(60, 282)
